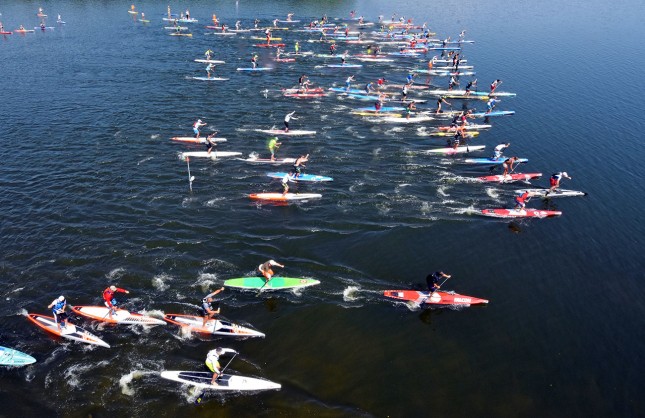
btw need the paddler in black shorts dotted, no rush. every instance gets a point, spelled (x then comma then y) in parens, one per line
(508, 163)
(210, 143)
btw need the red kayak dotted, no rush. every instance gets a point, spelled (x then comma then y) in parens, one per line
(523, 213)
(500, 178)
(5, 33)
(437, 298)
(269, 45)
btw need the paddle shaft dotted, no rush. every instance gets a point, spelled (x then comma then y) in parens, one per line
(221, 373)
(430, 295)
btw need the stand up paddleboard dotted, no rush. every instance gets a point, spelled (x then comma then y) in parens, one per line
(493, 113)
(11, 357)
(458, 150)
(225, 382)
(448, 134)
(401, 119)
(213, 155)
(71, 332)
(276, 283)
(255, 69)
(210, 61)
(216, 327)
(291, 132)
(279, 197)
(211, 78)
(270, 161)
(545, 194)
(523, 213)
(440, 92)
(192, 139)
(492, 160)
(500, 178)
(300, 177)
(470, 126)
(120, 316)
(436, 298)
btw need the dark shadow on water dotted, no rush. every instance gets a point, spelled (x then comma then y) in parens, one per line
(271, 304)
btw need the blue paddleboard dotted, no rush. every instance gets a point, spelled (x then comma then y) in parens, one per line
(301, 177)
(10, 357)
(492, 160)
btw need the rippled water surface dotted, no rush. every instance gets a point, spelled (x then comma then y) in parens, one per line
(93, 193)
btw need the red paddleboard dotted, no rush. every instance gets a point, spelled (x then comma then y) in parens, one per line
(524, 213)
(279, 197)
(269, 45)
(5, 33)
(500, 178)
(437, 298)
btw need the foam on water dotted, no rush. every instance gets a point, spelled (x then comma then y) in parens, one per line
(160, 281)
(126, 380)
(494, 193)
(115, 274)
(350, 293)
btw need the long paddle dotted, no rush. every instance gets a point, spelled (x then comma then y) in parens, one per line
(430, 295)
(262, 287)
(221, 373)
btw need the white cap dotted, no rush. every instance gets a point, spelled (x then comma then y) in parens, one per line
(61, 298)
(199, 120)
(113, 288)
(564, 173)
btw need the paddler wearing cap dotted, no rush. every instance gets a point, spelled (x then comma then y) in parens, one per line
(273, 145)
(110, 301)
(196, 127)
(555, 180)
(58, 306)
(212, 361)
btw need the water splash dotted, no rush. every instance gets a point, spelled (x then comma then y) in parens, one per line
(115, 274)
(126, 380)
(160, 281)
(350, 293)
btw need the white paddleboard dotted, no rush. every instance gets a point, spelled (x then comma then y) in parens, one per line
(211, 78)
(405, 120)
(292, 132)
(71, 331)
(214, 154)
(225, 382)
(210, 61)
(457, 150)
(120, 316)
(556, 193)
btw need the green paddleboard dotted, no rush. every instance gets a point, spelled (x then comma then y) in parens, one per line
(274, 283)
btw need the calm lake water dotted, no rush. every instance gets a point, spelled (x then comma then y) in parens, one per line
(93, 193)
